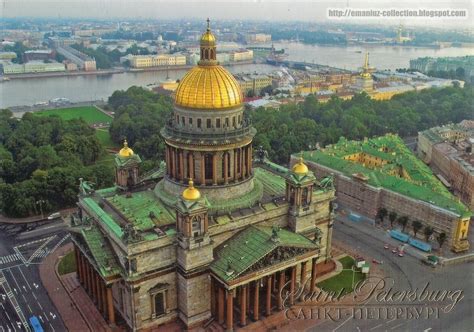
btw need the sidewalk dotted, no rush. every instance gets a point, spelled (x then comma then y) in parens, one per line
(7, 220)
(70, 315)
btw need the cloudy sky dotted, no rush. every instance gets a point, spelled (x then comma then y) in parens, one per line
(314, 11)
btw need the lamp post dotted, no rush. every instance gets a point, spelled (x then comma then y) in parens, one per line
(40, 202)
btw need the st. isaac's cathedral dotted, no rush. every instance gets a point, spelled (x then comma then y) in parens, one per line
(217, 235)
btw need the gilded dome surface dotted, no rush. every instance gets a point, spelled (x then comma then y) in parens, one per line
(125, 151)
(191, 193)
(300, 168)
(208, 87)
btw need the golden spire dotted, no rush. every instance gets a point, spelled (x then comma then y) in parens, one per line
(366, 63)
(366, 70)
(300, 168)
(191, 193)
(125, 151)
(208, 24)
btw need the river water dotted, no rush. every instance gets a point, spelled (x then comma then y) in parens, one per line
(90, 87)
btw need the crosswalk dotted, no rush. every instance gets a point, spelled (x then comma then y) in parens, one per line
(10, 258)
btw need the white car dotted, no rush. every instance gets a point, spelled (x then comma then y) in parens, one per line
(54, 215)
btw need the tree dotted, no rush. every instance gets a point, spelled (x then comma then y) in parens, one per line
(441, 238)
(392, 216)
(403, 221)
(417, 225)
(428, 231)
(381, 214)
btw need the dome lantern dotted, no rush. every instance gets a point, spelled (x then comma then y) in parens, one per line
(125, 152)
(191, 193)
(300, 168)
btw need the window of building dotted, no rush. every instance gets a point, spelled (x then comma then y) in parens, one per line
(159, 300)
(177, 119)
(233, 121)
(208, 123)
(240, 119)
(190, 121)
(227, 122)
(218, 123)
(196, 226)
(182, 121)
(199, 123)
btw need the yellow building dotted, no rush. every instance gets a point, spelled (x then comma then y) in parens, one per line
(145, 61)
(241, 55)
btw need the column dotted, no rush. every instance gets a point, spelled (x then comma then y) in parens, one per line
(191, 166)
(230, 311)
(281, 283)
(104, 299)
(99, 293)
(249, 160)
(269, 296)
(213, 297)
(303, 274)
(241, 161)
(235, 165)
(292, 285)
(256, 300)
(181, 165)
(173, 163)
(243, 305)
(203, 173)
(313, 276)
(220, 306)
(167, 159)
(110, 306)
(214, 169)
(88, 280)
(225, 155)
(94, 286)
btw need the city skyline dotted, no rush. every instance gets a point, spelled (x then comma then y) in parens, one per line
(306, 11)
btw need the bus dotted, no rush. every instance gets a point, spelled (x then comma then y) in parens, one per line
(35, 324)
(399, 235)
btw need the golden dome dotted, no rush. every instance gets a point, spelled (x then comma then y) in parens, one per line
(208, 37)
(300, 168)
(191, 193)
(208, 87)
(125, 151)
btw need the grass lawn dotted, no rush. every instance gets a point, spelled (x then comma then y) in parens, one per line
(104, 138)
(343, 279)
(67, 264)
(90, 114)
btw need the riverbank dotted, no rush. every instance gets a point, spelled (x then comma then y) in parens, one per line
(6, 78)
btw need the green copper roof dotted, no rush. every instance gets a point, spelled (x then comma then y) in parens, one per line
(103, 216)
(249, 246)
(273, 185)
(100, 250)
(142, 209)
(421, 184)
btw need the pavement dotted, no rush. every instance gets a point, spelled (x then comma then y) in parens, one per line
(21, 292)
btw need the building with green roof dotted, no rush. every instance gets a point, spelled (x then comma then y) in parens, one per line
(210, 225)
(381, 173)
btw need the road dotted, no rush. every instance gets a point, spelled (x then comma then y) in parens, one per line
(21, 292)
(408, 273)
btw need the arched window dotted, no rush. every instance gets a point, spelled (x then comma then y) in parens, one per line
(206, 54)
(218, 123)
(208, 125)
(304, 197)
(199, 123)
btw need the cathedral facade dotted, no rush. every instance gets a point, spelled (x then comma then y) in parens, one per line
(217, 234)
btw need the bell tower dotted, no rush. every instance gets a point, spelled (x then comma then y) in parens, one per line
(194, 254)
(126, 167)
(299, 193)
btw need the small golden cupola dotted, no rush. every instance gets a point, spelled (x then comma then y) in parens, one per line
(125, 151)
(300, 168)
(191, 193)
(208, 45)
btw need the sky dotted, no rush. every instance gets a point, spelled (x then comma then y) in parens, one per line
(311, 11)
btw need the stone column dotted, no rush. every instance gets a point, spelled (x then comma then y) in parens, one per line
(94, 286)
(249, 160)
(292, 285)
(203, 171)
(167, 159)
(242, 166)
(256, 300)
(103, 289)
(235, 166)
(181, 165)
(313, 276)
(281, 283)
(214, 169)
(99, 292)
(269, 296)
(303, 274)
(230, 311)
(191, 166)
(110, 307)
(243, 305)
(220, 305)
(213, 297)
(173, 163)
(88, 279)
(225, 155)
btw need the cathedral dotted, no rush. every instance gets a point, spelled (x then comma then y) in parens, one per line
(218, 234)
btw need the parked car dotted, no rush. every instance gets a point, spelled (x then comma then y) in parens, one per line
(377, 261)
(401, 254)
(54, 215)
(385, 246)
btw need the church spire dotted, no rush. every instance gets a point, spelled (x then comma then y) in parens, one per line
(208, 46)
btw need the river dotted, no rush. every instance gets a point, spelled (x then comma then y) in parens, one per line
(90, 87)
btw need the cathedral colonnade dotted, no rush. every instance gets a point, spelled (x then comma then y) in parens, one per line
(209, 167)
(250, 301)
(97, 289)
